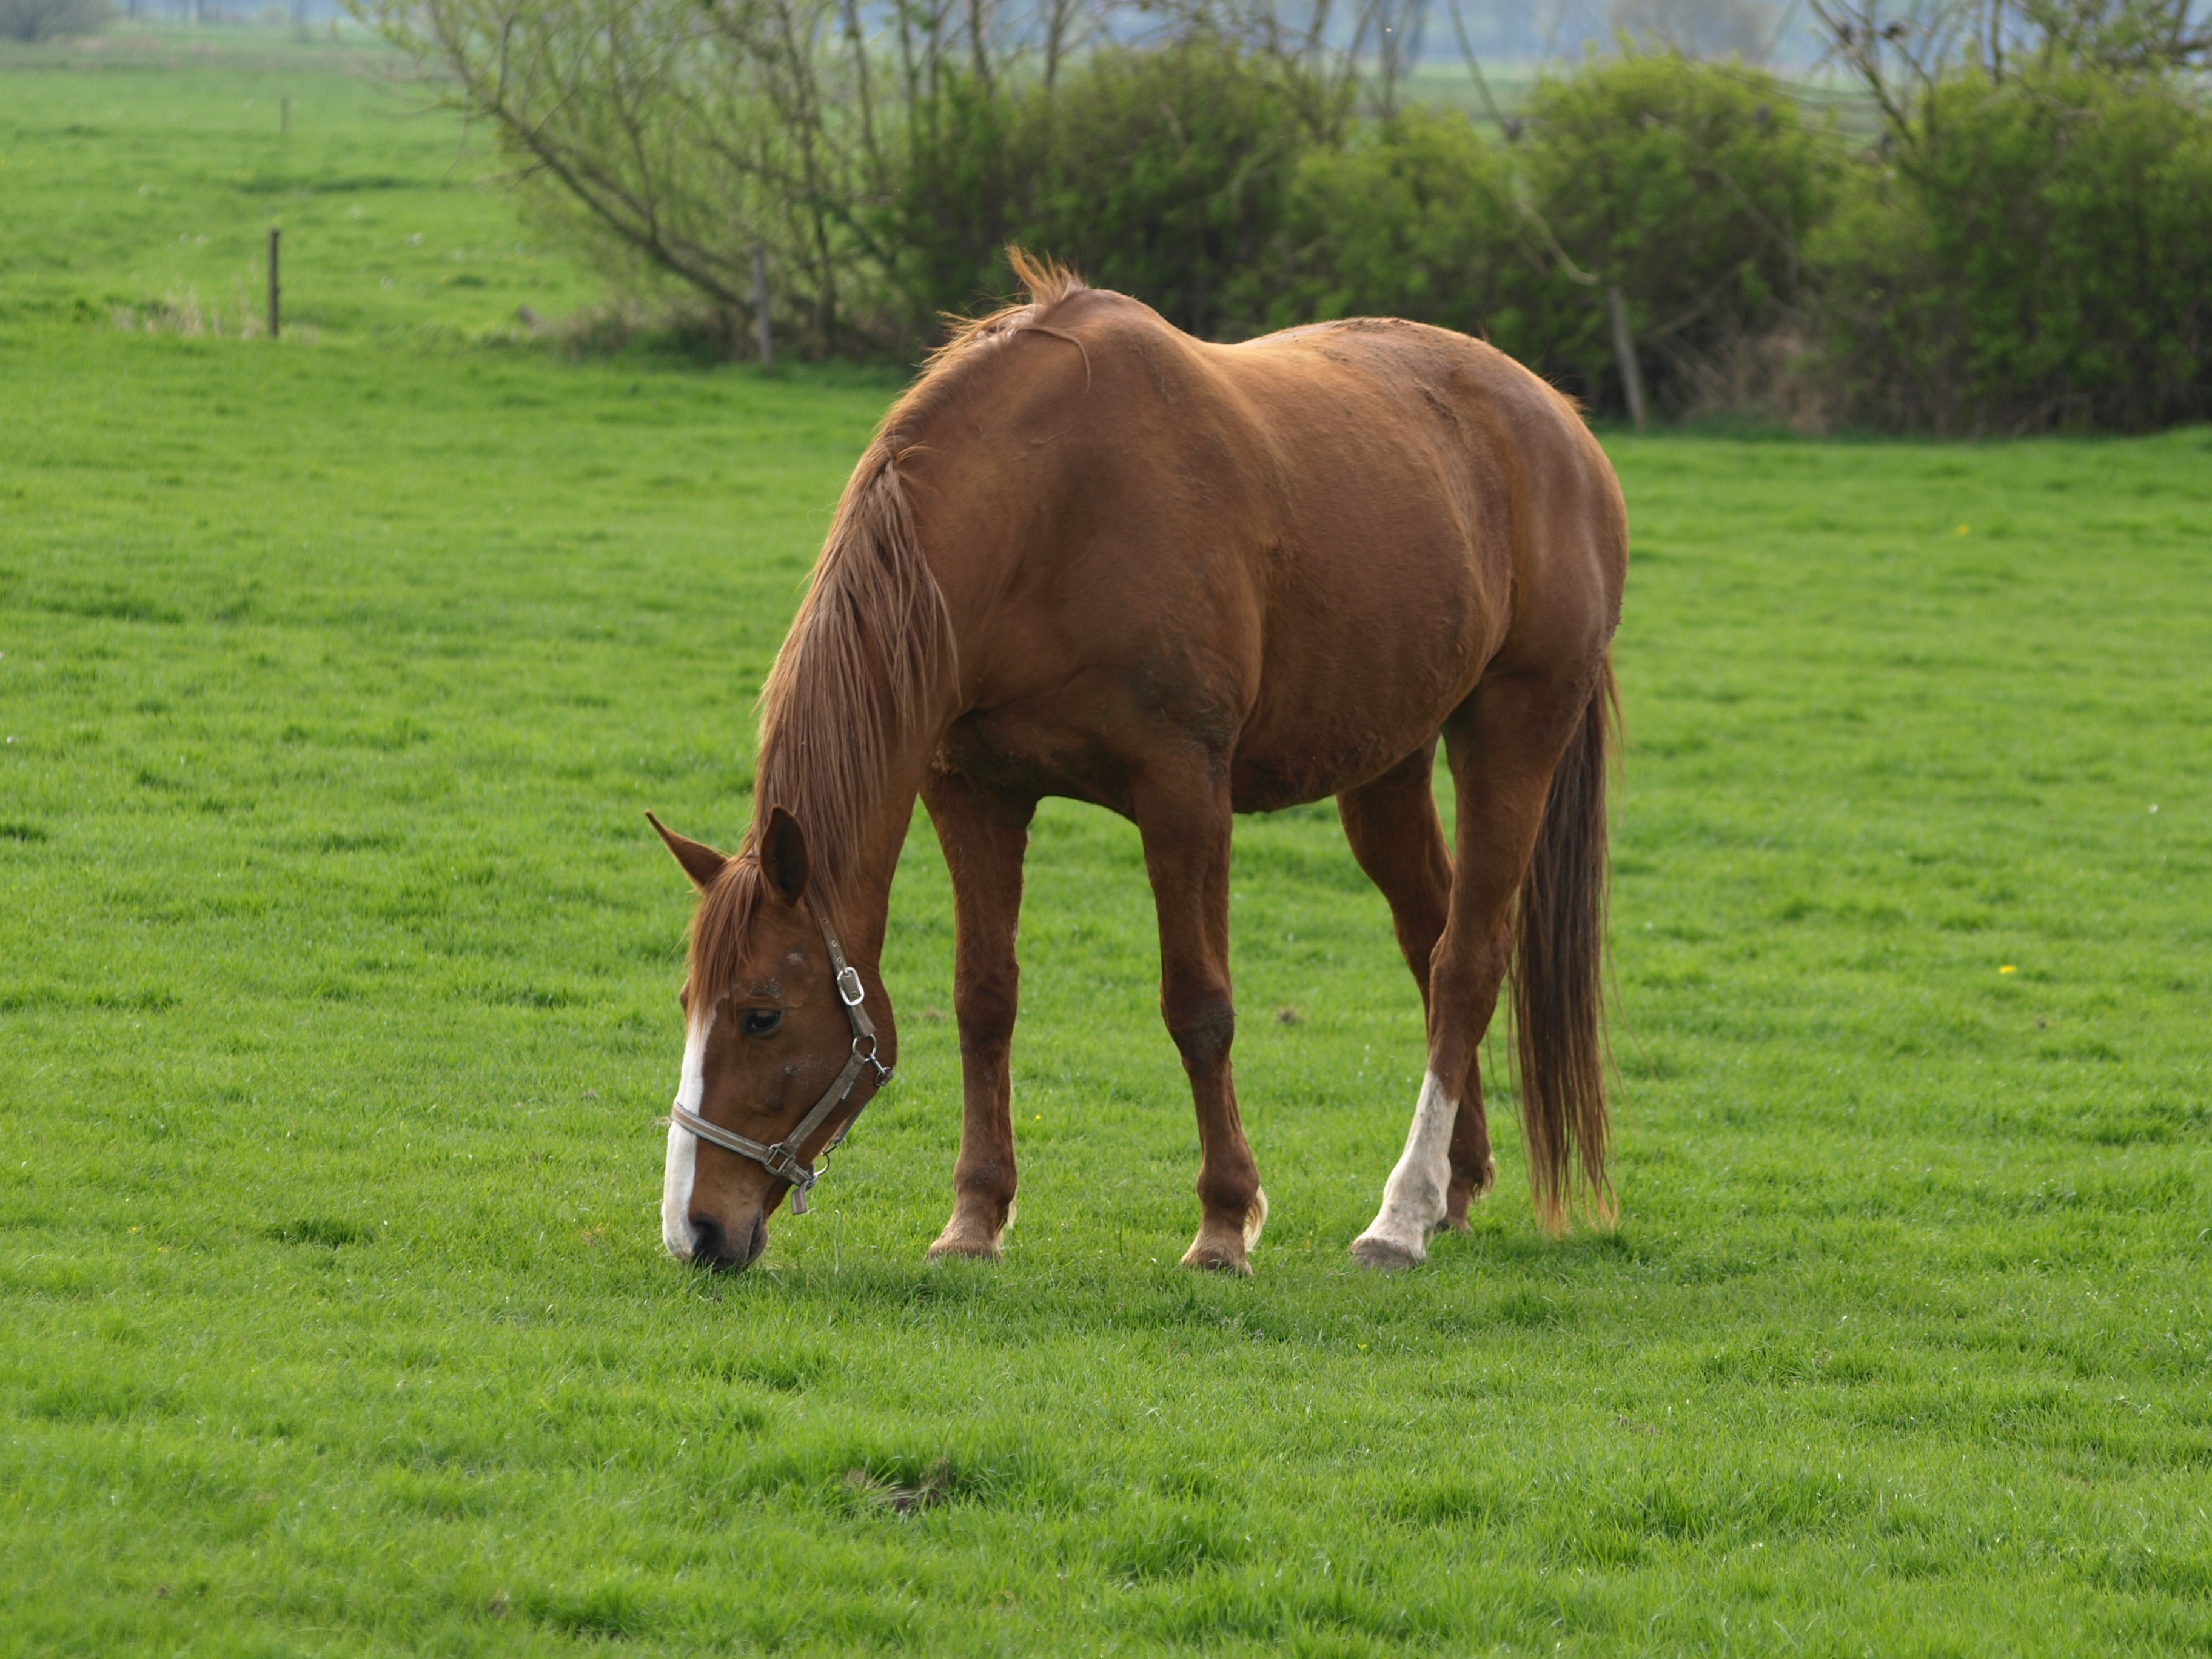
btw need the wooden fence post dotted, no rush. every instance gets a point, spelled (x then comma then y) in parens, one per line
(274, 319)
(762, 330)
(1624, 347)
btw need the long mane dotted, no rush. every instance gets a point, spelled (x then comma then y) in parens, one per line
(872, 641)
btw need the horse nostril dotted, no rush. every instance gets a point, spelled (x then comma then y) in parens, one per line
(708, 1245)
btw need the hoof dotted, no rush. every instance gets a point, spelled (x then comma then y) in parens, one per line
(970, 1236)
(941, 1251)
(1219, 1255)
(965, 1245)
(1384, 1255)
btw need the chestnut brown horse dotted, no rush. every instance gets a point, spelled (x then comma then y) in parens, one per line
(1088, 555)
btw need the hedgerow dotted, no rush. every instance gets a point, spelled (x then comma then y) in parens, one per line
(2029, 243)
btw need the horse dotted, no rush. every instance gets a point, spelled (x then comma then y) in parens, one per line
(1088, 555)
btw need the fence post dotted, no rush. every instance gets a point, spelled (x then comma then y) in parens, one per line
(274, 319)
(1624, 347)
(761, 329)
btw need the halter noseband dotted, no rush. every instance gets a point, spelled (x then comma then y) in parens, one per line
(782, 1160)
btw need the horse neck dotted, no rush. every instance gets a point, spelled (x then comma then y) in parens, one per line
(859, 696)
(862, 884)
(855, 852)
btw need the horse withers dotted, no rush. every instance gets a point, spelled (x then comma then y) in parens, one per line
(1088, 555)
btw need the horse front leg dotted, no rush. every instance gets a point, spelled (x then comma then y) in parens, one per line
(1185, 822)
(984, 835)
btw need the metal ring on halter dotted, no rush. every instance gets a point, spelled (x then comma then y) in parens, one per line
(782, 1160)
(867, 1056)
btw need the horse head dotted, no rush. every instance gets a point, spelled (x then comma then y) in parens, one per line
(779, 1049)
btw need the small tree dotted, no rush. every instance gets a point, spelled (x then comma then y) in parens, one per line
(672, 137)
(48, 20)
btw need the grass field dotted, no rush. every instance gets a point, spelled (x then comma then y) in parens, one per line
(336, 1001)
(141, 174)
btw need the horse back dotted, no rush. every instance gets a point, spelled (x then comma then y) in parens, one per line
(1303, 552)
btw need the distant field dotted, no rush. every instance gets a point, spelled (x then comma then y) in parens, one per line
(136, 188)
(336, 1003)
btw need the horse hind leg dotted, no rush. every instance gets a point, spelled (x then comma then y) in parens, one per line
(1505, 743)
(1396, 835)
(985, 836)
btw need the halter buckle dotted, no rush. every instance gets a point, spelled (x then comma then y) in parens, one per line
(849, 988)
(864, 1050)
(783, 1164)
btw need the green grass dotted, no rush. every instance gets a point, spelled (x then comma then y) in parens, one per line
(139, 190)
(336, 1002)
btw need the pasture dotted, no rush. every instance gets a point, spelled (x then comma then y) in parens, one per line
(337, 975)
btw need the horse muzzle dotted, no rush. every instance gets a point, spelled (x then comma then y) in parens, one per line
(714, 1246)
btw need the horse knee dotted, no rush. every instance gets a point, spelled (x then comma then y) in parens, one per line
(986, 1009)
(1203, 1023)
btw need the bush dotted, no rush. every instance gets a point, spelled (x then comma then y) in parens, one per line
(2038, 253)
(1197, 178)
(1415, 217)
(1161, 172)
(2019, 252)
(1691, 185)
(46, 19)
(954, 211)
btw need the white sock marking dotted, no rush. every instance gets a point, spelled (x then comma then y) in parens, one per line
(1413, 1197)
(683, 1146)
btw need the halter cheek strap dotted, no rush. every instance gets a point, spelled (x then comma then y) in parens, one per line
(782, 1160)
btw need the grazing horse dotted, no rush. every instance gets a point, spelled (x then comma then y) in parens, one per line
(1088, 556)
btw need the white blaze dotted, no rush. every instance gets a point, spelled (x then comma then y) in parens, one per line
(1413, 1197)
(684, 1145)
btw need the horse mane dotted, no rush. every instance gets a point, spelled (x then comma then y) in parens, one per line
(871, 641)
(1047, 282)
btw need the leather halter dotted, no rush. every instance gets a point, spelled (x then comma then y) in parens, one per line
(783, 1159)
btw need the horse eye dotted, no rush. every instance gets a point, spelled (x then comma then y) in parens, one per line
(759, 1021)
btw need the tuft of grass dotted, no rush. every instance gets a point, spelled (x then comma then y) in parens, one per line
(322, 1232)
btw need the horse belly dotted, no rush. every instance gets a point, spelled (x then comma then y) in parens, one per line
(1356, 678)
(1340, 748)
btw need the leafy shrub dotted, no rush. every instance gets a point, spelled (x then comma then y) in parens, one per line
(1413, 217)
(1161, 172)
(2039, 252)
(46, 19)
(2027, 246)
(1167, 176)
(1691, 185)
(953, 213)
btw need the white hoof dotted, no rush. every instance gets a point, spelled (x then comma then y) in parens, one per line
(1413, 1199)
(1385, 1254)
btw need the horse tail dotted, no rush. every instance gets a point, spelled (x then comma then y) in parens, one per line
(1558, 974)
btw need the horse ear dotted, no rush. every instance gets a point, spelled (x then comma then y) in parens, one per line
(701, 862)
(783, 857)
